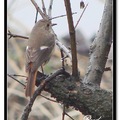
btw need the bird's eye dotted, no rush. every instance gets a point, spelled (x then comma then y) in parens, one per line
(48, 25)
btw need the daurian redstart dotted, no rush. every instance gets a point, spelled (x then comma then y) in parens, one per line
(38, 51)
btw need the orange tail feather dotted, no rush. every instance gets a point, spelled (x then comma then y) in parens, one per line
(30, 88)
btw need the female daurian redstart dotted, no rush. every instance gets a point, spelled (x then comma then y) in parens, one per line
(38, 51)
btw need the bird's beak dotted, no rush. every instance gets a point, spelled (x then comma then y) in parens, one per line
(53, 24)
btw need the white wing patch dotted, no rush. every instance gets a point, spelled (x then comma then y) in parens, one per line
(27, 47)
(30, 49)
(43, 47)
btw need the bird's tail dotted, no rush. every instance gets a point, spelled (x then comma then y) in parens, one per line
(30, 88)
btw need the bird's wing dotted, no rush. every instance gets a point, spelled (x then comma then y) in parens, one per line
(37, 56)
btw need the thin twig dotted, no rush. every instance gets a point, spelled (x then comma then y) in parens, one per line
(36, 16)
(39, 10)
(28, 107)
(62, 56)
(62, 47)
(14, 35)
(43, 7)
(81, 16)
(48, 98)
(17, 75)
(61, 16)
(72, 37)
(50, 9)
(24, 86)
(63, 114)
(42, 69)
(69, 116)
(16, 80)
(107, 69)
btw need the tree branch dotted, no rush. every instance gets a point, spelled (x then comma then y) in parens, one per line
(63, 48)
(50, 9)
(72, 37)
(14, 35)
(61, 16)
(27, 109)
(44, 16)
(87, 99)
(43, 7)
(81, 16)
(100, 48)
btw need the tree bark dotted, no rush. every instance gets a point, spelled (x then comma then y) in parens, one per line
(100, 48)
(83, 97)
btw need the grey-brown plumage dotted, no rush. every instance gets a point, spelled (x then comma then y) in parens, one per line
(38, 51)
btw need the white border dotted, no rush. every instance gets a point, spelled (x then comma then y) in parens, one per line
(2, 60)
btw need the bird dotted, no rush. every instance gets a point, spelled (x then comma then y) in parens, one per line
(39, 49)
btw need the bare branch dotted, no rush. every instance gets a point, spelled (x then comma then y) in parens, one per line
(39, 10)
(36, 16)
(62, 47)
(100, 47)
(48, 98)
(11, 76)
(50, 9)
(16, 80)
(43, 7)
(14, 35)
(72, 37)
(69, 116)
(62, 56)
(61, 16)
(107, 69)
(81, 16)
(18, 75)
(63, 114)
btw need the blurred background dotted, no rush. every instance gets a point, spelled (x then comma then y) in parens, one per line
(20, 20)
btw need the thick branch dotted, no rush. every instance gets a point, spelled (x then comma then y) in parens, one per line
(100, 48)
(87, 99)
(72, 37)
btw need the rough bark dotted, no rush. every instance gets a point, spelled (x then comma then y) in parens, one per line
(100, 48)
(87, 99)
